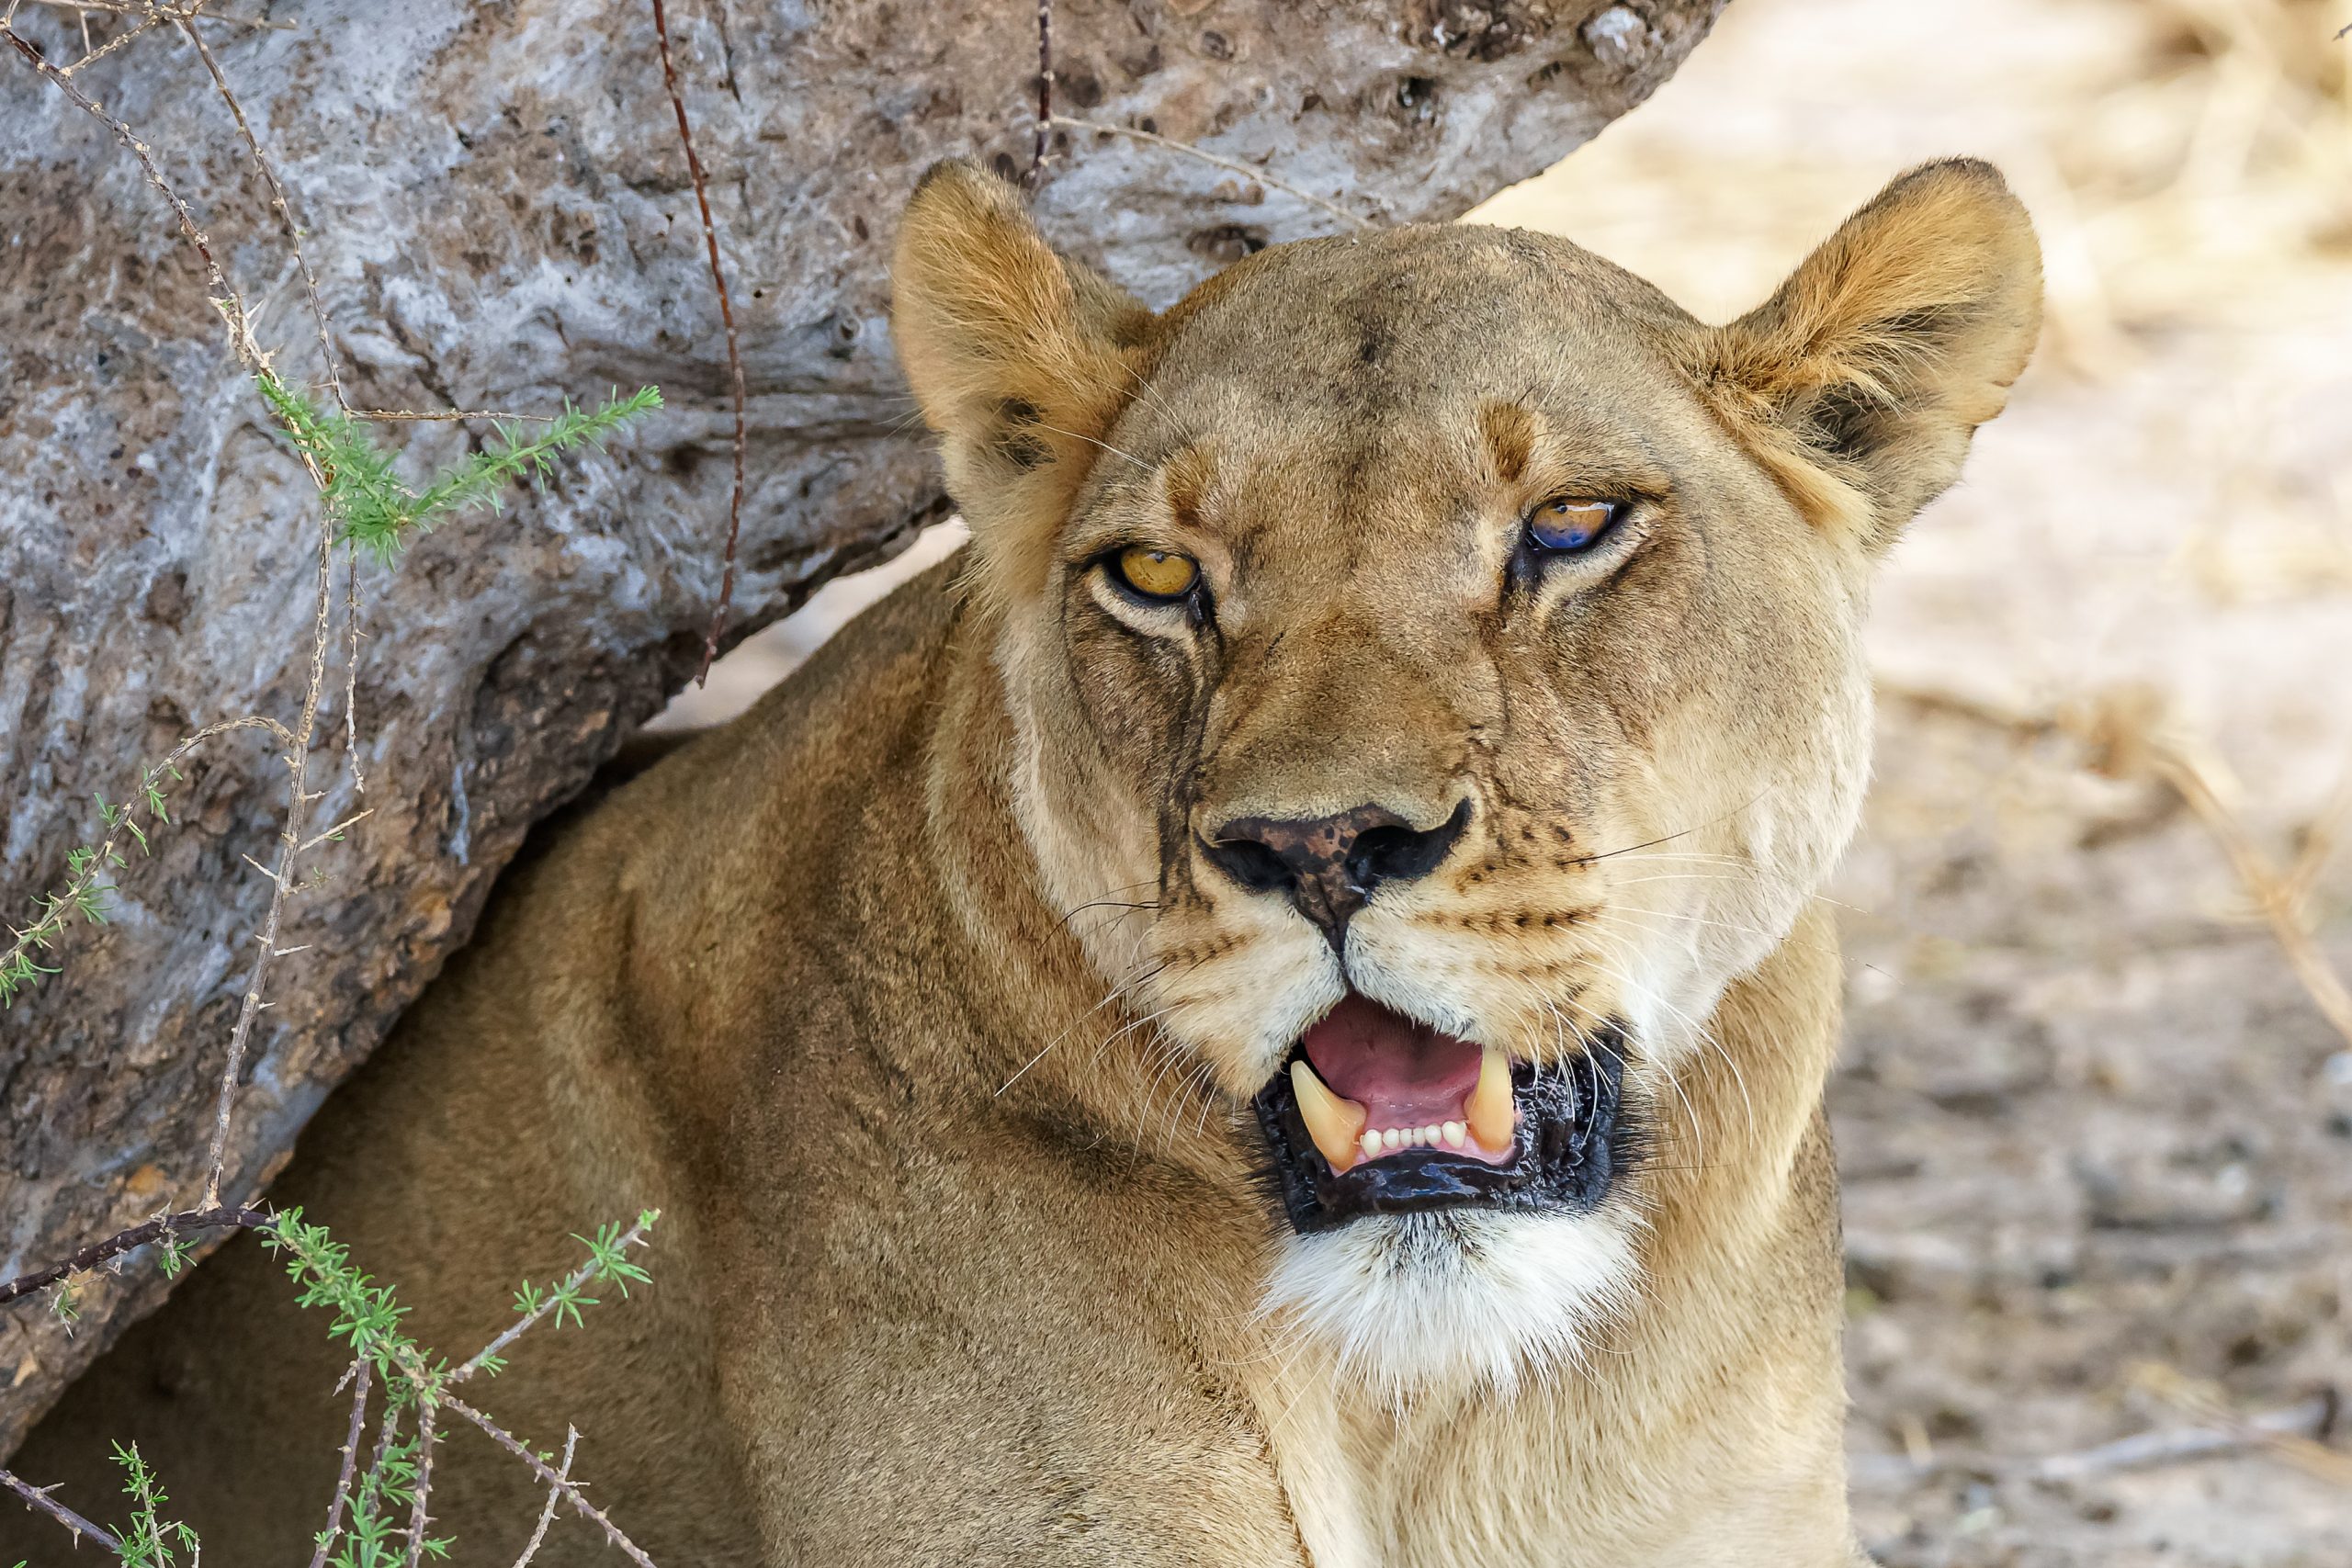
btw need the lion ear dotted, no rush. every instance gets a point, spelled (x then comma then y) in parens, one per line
(1859, 382)
(1019, 359)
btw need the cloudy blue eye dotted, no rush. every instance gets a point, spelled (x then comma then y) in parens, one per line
(1569, 525)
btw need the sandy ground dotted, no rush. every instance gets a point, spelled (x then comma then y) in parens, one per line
(2097, 1139)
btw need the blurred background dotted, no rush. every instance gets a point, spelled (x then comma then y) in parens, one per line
(2095, 1111)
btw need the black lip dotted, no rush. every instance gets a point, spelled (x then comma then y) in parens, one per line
(1575, 1139)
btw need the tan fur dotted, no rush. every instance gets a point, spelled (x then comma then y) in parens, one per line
(909, 1000)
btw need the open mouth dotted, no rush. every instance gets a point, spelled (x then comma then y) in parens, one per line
(1378, 1113)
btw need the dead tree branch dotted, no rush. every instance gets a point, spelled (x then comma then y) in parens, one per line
(571, 1489)
(362, 1377)
(196, 13)
(39, 1497)
(417, 1516)
(160, 1229)
(555, 1496)
(278, 202)
(298, 757)
(225, 299)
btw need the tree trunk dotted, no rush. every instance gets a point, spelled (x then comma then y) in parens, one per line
(497, 205)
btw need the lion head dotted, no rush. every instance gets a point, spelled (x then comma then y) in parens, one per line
(1437, 658)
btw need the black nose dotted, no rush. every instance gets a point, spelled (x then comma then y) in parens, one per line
(1328, 867)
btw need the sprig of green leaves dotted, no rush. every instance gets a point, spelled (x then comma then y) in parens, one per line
(84, 896)
(378, 1507)
(150, 1539)
(373, 507)
(559, 1298)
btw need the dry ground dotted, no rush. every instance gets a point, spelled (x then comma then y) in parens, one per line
(2097, 1139)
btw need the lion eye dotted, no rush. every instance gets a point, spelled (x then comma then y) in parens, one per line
(1569, 524)
(1159, 575)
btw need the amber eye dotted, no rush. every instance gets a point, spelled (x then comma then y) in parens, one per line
(1158, 575)
(1568, 525)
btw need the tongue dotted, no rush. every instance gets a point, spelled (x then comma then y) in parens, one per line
(1402, 1072)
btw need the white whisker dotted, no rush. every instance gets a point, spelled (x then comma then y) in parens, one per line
(1077, 436)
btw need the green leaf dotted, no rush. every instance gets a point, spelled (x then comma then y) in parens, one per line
(143, 1543)
(376, 511)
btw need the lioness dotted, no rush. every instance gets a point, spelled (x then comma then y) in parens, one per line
(1272, 1013)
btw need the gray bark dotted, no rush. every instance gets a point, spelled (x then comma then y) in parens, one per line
(497, 205)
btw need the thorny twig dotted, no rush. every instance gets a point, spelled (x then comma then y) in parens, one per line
(167, 13)
(1188, 150)
(315, 839)
(39, 1497)
(85, 882)
(362, 1377)
(734, 350)
(381, 1455)
(277, 200)
(130, 1240)
(547, 1515)
(396, 416)
(92, 56)
(570, 1488)
(298, 755)
(226, 300)
(351, 667)
(433, 1396)
(417, 1517)
(334, 380)
(487, 1354)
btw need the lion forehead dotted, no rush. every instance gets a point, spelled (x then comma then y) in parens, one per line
(1409, 321)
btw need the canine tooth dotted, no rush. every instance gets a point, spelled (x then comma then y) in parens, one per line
(1334, 1123)
(1371, 1144)
(1489, 1116)
(1452, 1132)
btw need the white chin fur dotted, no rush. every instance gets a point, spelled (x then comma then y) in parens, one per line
(1458, 1299)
